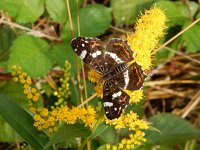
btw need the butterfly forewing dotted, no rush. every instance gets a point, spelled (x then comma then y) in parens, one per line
(114, 100)
(117, 52)
(90, 50)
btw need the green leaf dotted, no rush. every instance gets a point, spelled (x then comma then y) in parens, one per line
(69, 131)
(22, 123)
(126, 11)
(6, 38)
(176, 12)
(109, 135)
(58, 9)
(32, 54)
(23, 11)
(193, 7)
(14, 90)
(191, 38)
(101, 128)
(7, 133)
(173, 130)
(62, 52)
(94, 21)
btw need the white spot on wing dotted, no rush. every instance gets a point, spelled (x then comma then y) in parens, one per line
(115, 108)
(114, 56)
(94, 55)
(116, 94)
(83, 54)
(126, 78)
(107, 104)
(83, 45)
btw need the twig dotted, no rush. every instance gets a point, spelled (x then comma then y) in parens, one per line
(180, 94)
(186, 56)
(51, 82)
(163, 82)
(31, 32)
(119, 30)
(177, 35)
(76, 60)
(193, 103)
(87, 100)
(82, 66)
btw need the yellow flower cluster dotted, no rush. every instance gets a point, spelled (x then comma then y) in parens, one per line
(130, 121)
(64, 92)
(135, 96)
(129, 143)
(31, 93)
(149, 28)
(45, 119)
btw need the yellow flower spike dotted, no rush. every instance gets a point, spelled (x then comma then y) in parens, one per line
(149, 28)
(70, 118)
(108, 146)
(114, 147)
(44, 112)
(99, 89)
(35, 98)
(30, 96)
(16, 79)
(90, 110)
(94, 76)
(89, 120)
(33, 90)
(37, 117)
(135, 96)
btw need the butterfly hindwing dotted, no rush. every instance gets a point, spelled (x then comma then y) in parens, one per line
(114, 100)
(90, 51)
(130, 79)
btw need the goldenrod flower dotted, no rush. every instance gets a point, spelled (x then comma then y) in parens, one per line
(31, 93)
(64, 92)
(149, 28)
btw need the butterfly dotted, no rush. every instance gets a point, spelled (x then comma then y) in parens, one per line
(111, 61)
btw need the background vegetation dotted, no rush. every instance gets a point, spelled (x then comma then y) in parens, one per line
(36, 36)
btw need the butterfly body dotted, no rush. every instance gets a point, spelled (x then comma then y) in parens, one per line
(112, 62)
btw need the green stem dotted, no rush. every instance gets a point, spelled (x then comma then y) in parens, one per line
(88, 138)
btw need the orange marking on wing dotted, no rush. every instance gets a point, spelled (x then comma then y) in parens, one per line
(138, 74)
(119, 44)
(95, 45)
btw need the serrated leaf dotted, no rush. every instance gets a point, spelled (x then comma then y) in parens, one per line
(22, 123)
(32, 54)
(94, 21)
(23, 11)
(101, 128)
(69, 131)
(191, 38)
(173, 130)
(126, 11)
(58, 9)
